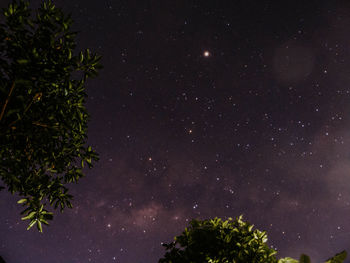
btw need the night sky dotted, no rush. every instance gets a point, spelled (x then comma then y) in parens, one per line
(205, 109)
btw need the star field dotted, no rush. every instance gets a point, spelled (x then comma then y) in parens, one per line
(205, 109)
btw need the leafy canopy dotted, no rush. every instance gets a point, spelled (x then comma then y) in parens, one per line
(230, 241)
(43, 119)
(221, 241)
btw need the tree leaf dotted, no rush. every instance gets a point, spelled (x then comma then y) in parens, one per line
(338, 258)
(22, 201)
(304, 259)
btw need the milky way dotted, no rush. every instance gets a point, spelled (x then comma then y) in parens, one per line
(257, 126)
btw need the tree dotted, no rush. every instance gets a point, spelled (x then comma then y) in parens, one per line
(230, 241)
(219, 241)
(338, 258)
(43, 119)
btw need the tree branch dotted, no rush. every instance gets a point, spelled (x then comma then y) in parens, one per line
(40, 124)
(7, 100)
(36, 97)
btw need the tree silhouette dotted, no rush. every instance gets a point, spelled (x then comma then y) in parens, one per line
(216, 241)
(43, 119)
(233, 240)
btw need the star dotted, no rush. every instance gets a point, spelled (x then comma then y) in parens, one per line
(206, 53)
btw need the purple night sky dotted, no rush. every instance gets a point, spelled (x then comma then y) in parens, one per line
(259, 126)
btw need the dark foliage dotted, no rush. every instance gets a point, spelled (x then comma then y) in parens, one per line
(231, 241)
(43, 119)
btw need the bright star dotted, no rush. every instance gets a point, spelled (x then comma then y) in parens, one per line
(206, 53)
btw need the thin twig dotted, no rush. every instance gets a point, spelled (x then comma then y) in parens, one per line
(26, 109)
(36, 98)
(40, 124)
(6, 101)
